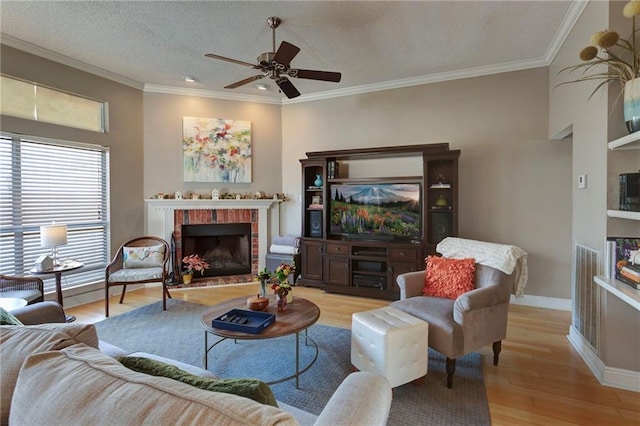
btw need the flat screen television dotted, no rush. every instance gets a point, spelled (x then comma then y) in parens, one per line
(388, 211)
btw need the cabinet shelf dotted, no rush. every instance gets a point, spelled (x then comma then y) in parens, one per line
(373, 273)
(631, 141)
(622, 214)
(619, 289)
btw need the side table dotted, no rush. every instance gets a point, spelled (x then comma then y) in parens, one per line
(66, 266)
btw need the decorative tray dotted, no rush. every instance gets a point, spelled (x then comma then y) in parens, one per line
(244, 321)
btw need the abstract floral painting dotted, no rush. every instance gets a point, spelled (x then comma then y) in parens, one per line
(216, 150)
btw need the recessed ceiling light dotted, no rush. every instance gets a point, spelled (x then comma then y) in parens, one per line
(190, 78)
(262, 86)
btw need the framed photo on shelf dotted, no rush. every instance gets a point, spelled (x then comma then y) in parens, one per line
(316, 199)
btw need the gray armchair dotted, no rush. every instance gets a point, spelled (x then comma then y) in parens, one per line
(40, 313)
(464, 325)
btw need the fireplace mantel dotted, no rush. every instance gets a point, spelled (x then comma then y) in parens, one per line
(159, 217)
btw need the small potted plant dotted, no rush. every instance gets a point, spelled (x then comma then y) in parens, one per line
(193, 263)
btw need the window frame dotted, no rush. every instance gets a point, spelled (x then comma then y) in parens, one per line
(21, 229)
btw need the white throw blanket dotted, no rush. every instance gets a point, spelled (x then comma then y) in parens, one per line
(502, 257)
(280, 249)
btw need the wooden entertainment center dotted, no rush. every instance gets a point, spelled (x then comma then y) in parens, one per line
(367, 264)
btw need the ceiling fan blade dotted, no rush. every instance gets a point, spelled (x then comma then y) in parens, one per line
(287, 87)
(234, 61)
(245, 81)
(316, 75)
(286, 52)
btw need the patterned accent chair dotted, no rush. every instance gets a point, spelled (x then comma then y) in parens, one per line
(138, 261)
(30, 289)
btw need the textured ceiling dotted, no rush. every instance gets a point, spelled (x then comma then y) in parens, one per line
(371, 43)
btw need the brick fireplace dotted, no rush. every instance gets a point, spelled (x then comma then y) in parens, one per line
(164, 217)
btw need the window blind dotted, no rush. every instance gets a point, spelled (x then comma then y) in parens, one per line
(44, 181)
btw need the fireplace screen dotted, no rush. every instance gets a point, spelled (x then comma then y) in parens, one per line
(226, 247)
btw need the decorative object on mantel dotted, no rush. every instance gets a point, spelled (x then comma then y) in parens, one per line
(215, 194)
(216, 150)
(193, 263)
(258, 195)
(622, 62)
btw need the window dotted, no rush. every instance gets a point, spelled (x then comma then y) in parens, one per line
(31, 101)
(41, 181)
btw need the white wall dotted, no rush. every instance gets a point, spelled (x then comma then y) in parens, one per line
(515, 185)
(594, 123)
(163, 143)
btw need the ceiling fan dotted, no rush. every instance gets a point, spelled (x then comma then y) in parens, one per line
(276, 66)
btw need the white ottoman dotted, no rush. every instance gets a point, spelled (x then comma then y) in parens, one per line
(390, 343)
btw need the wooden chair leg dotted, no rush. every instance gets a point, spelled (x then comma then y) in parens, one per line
(451, 368)
(106, 301)
(124, 288)
(497, 347)
(165, 293)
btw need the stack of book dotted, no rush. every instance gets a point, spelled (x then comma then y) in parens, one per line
(630, 274)
(620, 256)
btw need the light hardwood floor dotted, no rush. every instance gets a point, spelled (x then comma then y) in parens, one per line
(540, 379)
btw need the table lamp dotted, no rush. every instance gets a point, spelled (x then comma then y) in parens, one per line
(52, 236)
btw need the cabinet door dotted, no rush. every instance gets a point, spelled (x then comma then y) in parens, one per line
(337, 270)
(398, 268)
(311, 260)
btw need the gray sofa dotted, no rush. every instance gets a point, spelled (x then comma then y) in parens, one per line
(77, 381)
(458, 327)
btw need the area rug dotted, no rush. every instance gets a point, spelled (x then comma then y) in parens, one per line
(177, 334)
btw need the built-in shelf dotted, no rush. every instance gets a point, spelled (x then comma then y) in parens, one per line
(631, 141)
(619, 289)
(621, 214)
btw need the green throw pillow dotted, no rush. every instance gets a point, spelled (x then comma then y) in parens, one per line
(254, 389)
(6, 318)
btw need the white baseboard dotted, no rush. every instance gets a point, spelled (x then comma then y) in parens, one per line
(607, 376)
(77, 296)
(542, 302)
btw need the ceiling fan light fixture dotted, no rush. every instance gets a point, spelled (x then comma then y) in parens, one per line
(276, 65)
(190, 78)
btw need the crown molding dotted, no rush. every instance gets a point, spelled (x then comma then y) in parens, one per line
(65, 60)
(416, 81)
(357, 90)
(203, 93)
(570, 19)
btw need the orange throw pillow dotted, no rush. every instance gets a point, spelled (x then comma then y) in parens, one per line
(448, 277)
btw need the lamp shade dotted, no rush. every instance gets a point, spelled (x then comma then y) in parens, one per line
(53, 235)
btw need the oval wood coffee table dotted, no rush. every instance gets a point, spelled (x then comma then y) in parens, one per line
(299, 316)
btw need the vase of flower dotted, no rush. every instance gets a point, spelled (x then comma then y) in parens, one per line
(282, 301)
(632, 105)
(263, 277)
(613, 59)
(186, 278)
